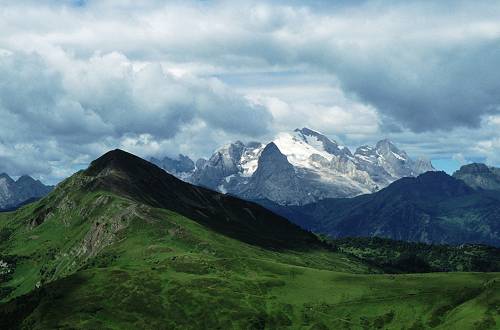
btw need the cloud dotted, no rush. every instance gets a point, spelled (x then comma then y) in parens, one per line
(78, 77)
(106, 100)
(443, 89)
(422, 66)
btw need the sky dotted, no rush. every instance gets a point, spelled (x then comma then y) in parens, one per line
(158, 78)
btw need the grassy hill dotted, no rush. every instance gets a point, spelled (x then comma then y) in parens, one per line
(123, 245)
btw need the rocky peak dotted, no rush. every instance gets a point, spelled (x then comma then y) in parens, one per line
(274, 179)
(474, 168)
(387, 148)
(479, 176)
(4, 177)
(15, 193)
(365, 150)
(422, 165)
(232, 150)
(385, 143)
(271, 154)
(26, 179)
(200, 163)
(225, 161)
(181, 164)
(317, 139)
(228, 156)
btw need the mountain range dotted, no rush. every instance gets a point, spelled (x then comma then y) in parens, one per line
(123, 244)
(431, 208)
(16, 192)
(297, 168)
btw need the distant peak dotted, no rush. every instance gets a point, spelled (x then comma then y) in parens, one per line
(25, 178)
(6, 177)
(272, 153)
(364, 150)
(308, 131)
(384, 142)
(474, 168)
(273, 161)
(320, 141)
(386, 146)
(436, 183)
(271, 148)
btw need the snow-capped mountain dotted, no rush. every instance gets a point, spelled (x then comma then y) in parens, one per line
(14, 193)
(297, 168)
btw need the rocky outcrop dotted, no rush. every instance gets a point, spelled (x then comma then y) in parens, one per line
(274, 179)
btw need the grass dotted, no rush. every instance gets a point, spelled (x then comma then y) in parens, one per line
(410, 257)
(101, 261)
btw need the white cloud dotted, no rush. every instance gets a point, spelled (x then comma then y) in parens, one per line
(105, 101)
(160, 77)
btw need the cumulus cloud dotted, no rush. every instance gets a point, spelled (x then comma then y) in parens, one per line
(108, 99)
(78, 77)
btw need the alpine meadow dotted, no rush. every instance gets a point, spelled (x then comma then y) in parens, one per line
(263, 164)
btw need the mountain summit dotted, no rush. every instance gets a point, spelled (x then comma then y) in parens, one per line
(479, 176)
(16, 192)
(128, 175)
(322, 168)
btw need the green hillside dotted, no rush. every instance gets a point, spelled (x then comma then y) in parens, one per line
(410, 257)
(123, 245)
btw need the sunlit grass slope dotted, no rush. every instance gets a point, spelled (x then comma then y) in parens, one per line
(97, 254)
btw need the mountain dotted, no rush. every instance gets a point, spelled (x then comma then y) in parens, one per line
(431, 208)
(181, 167)
(14, 193)
(124, 245)
(317, 168)
(479, 176)
(131, 176)
(275, 178)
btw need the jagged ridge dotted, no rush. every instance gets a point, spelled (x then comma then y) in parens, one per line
(321, 169)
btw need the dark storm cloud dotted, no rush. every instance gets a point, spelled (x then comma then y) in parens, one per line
(92, 105)
(443, 89)
(79, 77)
(425, 65)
